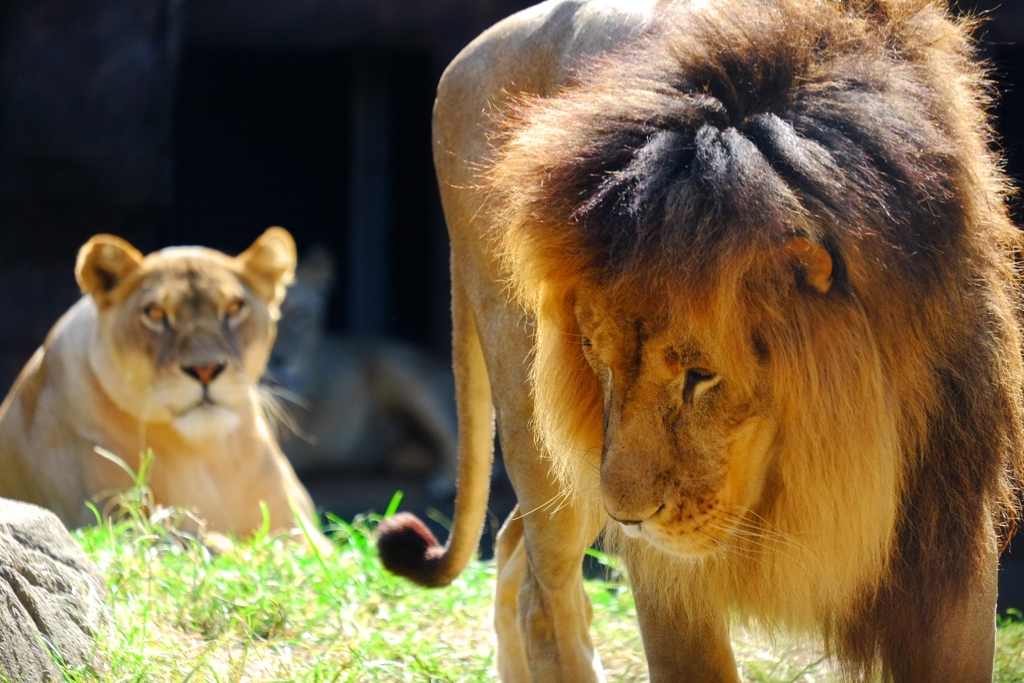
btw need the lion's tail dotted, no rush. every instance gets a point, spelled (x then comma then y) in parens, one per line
(406, 546)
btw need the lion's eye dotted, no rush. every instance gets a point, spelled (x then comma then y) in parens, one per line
(155, 315)
(234, 308)
(699, 381)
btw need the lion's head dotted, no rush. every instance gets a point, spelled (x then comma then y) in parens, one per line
(688, 425)
(773, 285)
(184, 334)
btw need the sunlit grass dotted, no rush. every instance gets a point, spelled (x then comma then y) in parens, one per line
(1010, 651)
(269, 610)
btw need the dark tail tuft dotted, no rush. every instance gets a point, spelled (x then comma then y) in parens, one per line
(408, 548)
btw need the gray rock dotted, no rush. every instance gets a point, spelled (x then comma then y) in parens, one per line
(51, 596)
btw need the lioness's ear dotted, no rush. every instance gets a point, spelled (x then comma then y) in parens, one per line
(814, 259)
(103, 263)
(268, 266)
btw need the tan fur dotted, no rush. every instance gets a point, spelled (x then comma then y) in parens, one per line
(114, 373)
(764, 289)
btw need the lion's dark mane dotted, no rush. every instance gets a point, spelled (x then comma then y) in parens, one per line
(756, 123)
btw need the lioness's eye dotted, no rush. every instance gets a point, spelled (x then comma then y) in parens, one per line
(698, 381)
(234, 308)
(155, 314)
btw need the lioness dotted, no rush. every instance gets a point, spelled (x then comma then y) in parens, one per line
(766, 296)
(162, 352)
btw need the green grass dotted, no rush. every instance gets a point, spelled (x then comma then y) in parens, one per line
(268, 610)
(1010, 652)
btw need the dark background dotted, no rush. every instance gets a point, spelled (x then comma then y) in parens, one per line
(205, 121)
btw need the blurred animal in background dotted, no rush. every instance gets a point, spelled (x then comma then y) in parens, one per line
(162, 352)
(360, 405)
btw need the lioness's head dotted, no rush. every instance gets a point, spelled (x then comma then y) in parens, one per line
(184, 333)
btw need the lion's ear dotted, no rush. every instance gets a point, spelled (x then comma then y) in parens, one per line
(103, 263)
(814, 260)
(268, 266)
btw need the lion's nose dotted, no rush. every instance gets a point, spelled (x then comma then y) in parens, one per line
(204, 373)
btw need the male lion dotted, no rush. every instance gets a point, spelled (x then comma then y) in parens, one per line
(162, 352)
(765, 296)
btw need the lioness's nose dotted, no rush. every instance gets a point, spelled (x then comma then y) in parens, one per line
(204, 373)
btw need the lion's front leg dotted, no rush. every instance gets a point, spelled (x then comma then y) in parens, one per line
(962, 647)
(953, 643)
(683, 641)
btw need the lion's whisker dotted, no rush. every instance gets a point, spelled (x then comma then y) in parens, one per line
(748, 530)
(760, 542)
